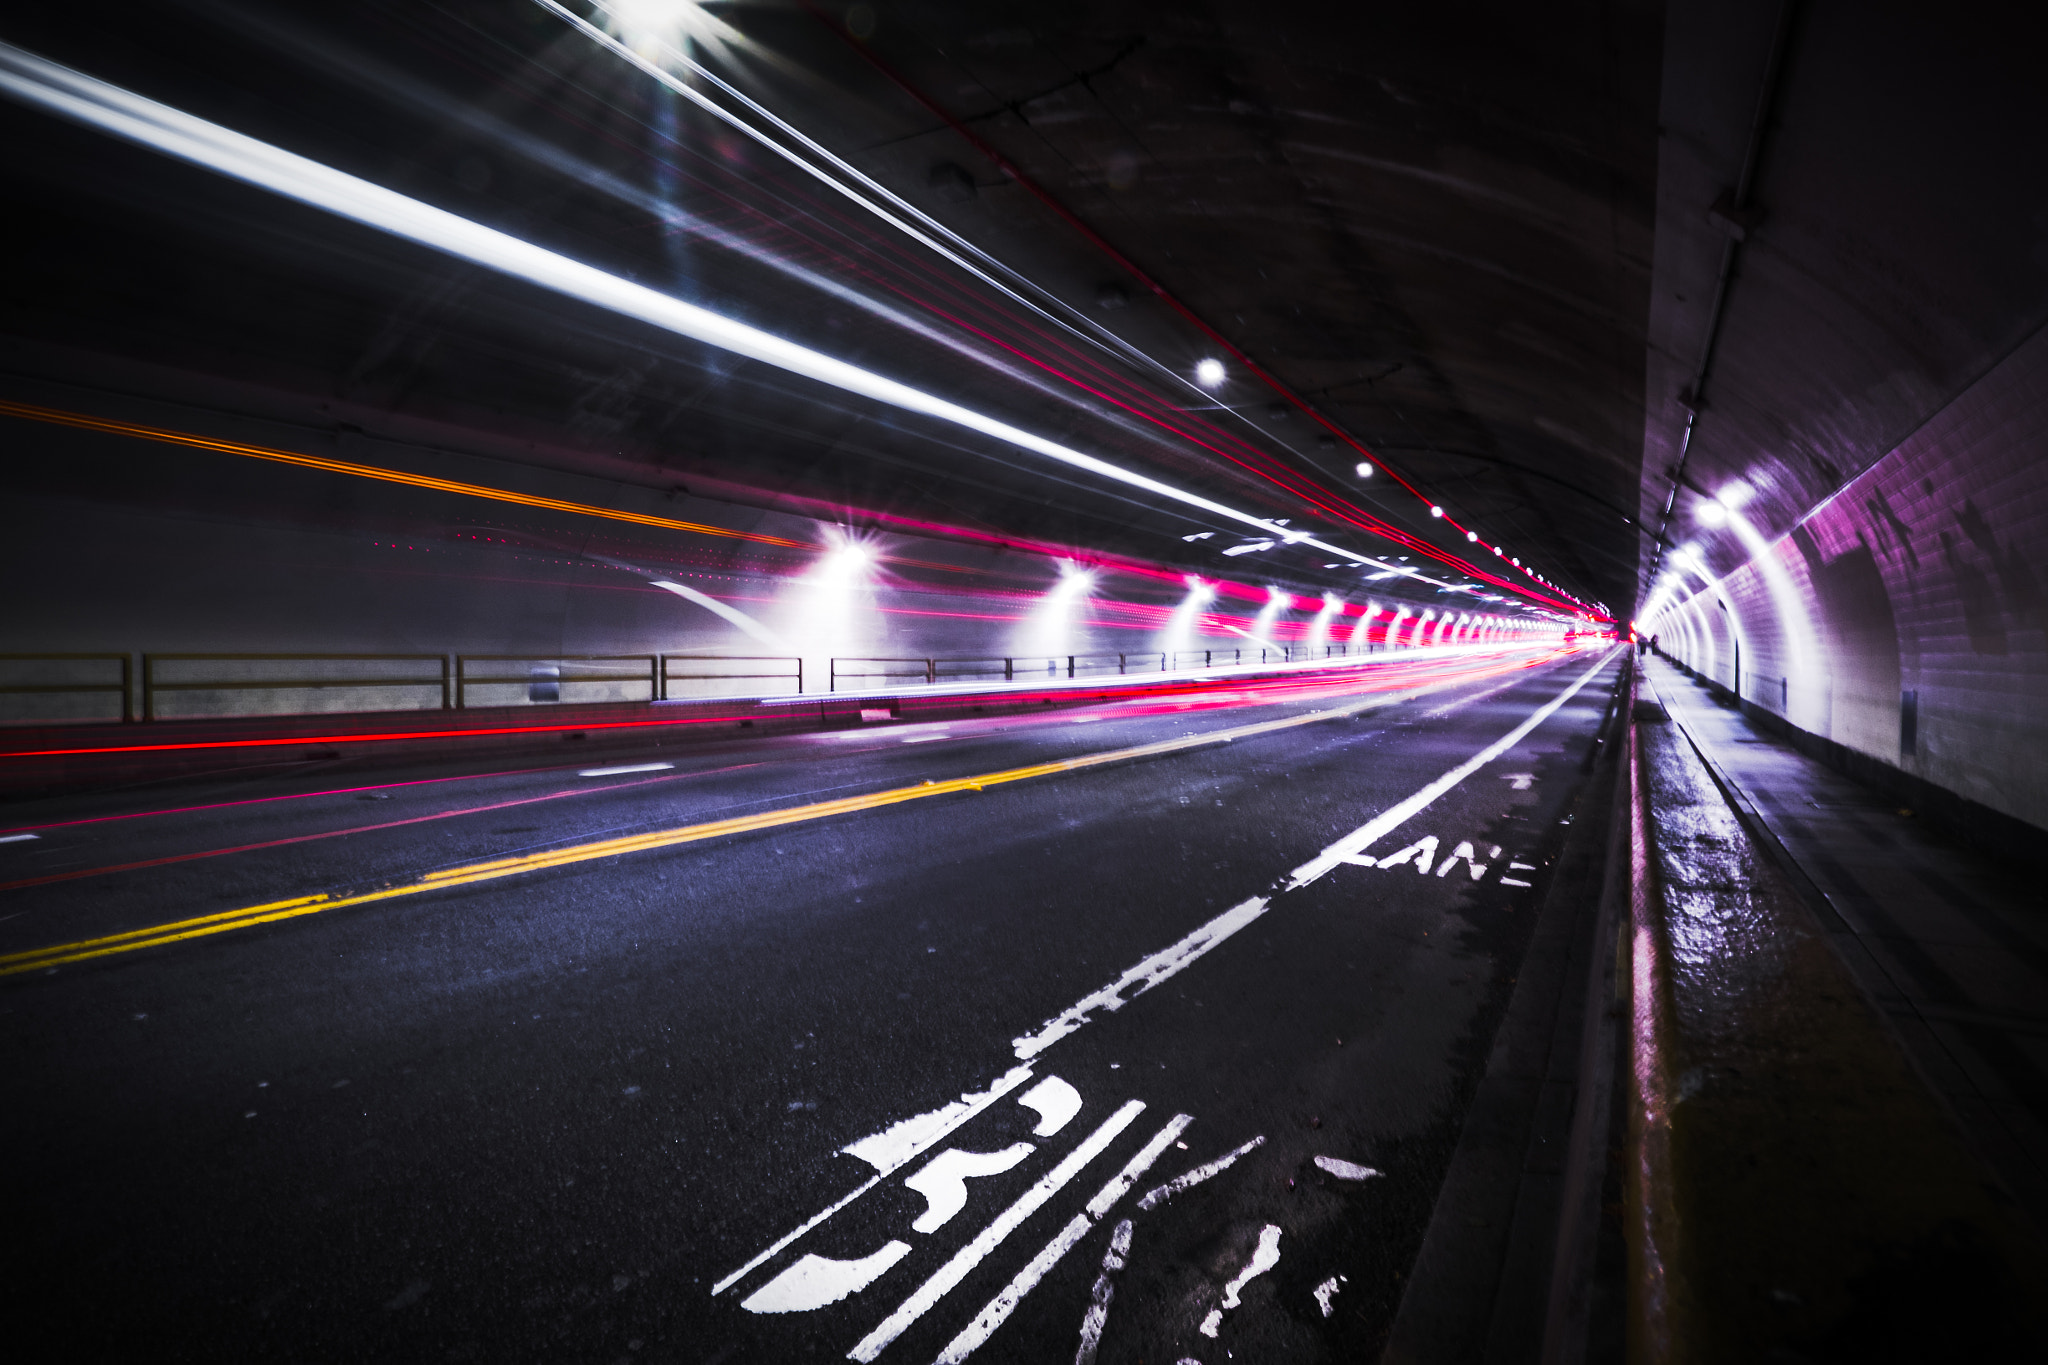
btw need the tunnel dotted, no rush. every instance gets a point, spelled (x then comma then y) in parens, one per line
(779, 680)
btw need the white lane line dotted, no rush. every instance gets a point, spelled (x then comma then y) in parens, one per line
(628, 768)
(989, 1238)
(1170, 962)
(1326, 1291)
(1155, 1198)
(888, 1152)
(17, 838)
(1147, 974)
(1356, 842)
(1105, 1289)
(1005, 1302)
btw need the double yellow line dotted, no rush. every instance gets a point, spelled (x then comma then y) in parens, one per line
(13, 964)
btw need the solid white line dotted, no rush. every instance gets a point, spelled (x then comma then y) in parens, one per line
(1154, 1198)
(1170, 962)
(17, 838)
(1362, 838)
(1159, 967)
(629, 768)
(1005, 1302)
(989, 1238)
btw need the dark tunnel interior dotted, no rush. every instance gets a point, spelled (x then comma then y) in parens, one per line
(674, 669)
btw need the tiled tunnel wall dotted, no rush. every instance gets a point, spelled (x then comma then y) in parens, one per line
(1905, 618)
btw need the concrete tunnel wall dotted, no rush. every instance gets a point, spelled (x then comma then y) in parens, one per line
(197, 553)
(1904, 617)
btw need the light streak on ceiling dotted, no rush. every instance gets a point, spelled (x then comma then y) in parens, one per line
(84, 99)
(60, 418)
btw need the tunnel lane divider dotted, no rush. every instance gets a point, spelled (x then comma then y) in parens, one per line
(270, 912)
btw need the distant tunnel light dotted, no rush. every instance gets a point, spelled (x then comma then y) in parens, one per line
(1436, 511)
(1209, 372)
(1472, 536)
(1365, 469)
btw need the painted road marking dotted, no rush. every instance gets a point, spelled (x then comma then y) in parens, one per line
(889, 1151)
(1520, 782)
(1264, 1258)
(16, 838)
(628, 768)
(943, 1181)
(1325, 1292)
(949, 1275)
(999, 1308)
(817, 1281)
(271, 912)
(1346, 1170)
(1154, 1198)
(1056, 1103)
(1171, 961)
(1105, 1289)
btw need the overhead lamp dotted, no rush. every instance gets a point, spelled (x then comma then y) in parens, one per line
(1436, 511)
(1209, 372)
(1734, 495)
(1472, 535)
(1364, 469)
(1712, 513)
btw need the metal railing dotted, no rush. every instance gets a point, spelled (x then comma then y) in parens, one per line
(154, 684)
(70, 687)
(140, 685)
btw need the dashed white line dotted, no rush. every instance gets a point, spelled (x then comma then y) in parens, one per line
(989, 1238)
(17, 838)
(1105, 1288)
(628, 768)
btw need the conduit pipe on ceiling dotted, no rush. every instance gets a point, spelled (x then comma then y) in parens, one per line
(1694, 394)
(1015, 173)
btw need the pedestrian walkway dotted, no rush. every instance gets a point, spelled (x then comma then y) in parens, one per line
(1952, 946)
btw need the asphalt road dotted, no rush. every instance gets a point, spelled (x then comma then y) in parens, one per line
(541, 1111)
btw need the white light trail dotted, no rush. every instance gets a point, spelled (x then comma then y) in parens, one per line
(45, 85)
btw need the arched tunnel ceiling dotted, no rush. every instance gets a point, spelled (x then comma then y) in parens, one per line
(1472, 239)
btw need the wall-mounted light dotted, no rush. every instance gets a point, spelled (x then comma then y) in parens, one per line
(1209, 372)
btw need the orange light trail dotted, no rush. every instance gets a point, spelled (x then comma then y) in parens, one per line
(56, 417)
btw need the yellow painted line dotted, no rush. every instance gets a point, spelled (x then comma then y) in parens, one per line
(34, 959)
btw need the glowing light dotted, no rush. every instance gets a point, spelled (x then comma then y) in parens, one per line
(1436, 511)
(1734, 495)
(1712, 513)
(1472, 535)
(71, 94)
(1209, 372)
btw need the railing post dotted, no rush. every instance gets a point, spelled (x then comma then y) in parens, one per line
(148, 687)
(657, 679)
(1009, 670)
(447, 682)
(461, 668)
(799, 675)
(128, 707)
(931, 671)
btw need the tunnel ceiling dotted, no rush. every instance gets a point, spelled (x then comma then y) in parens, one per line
(1451, 236)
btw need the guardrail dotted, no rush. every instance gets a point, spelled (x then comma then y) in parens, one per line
(451, 681)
